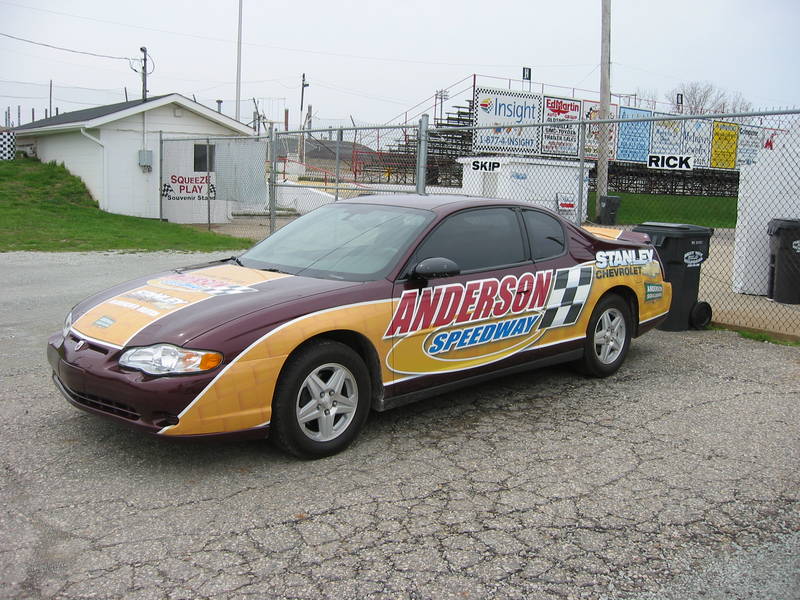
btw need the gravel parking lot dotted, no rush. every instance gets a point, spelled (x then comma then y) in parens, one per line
(677, 478)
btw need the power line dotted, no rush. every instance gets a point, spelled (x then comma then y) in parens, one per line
(13, 37)
(46, 97)
(55, 85)
(352, 92)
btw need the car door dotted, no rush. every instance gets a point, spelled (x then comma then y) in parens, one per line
(446, 326)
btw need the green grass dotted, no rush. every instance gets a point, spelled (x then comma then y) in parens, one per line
(710, 211)
(767, 338)
(44, 208)
(760, 336)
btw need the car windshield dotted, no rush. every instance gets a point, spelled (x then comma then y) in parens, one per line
(352, 242)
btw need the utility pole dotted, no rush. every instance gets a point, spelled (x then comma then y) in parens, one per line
(303, 86)
(301, 150)
(605, 104)
(239, 63)
(144, 73)
(51, 97)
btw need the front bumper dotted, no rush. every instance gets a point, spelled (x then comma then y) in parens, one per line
(90, 379)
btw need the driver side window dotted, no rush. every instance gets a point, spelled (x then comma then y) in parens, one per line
(476, 240)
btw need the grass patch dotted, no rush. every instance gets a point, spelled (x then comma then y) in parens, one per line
(760, 336)
(710, 211)
(767, 338)
(44, 208)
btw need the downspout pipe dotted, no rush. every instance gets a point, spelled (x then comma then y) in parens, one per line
(97, 141)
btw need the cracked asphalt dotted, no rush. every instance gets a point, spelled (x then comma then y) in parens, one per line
(677, 478)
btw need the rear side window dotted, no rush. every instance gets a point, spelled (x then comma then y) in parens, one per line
(476, 239)
(545, 233)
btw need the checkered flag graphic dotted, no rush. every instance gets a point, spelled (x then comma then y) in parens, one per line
(224, 290)
(568, 296)
(8, 145)
(212, 191)
(166, 190)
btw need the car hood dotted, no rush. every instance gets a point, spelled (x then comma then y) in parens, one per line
(177, 306)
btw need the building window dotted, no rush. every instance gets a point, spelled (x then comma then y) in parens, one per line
(203, 163)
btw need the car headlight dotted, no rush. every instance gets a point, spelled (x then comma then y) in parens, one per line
(166, 359)
(67, 324)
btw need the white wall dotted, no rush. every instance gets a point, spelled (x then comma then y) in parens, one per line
(166, 119)
(130, 190)
(768, 189)
(540, 181)
(81, 156)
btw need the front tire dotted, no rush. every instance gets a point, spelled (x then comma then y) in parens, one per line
(608, 337)
(322, 400)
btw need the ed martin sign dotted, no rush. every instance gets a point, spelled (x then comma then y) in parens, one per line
(672, 162)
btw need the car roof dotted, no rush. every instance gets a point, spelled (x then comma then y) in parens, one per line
(434, 202)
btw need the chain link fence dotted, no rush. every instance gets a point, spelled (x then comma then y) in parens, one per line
(737, 174)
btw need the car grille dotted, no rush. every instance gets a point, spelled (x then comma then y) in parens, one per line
(89, 345)
(117, 409)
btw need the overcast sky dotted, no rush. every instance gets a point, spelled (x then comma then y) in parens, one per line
(375, 60)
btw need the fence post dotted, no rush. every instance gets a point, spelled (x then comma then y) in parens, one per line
(208, 181)
(160, 175)
(422, 154)
(581, 167)
(273, 167)
(339, 135)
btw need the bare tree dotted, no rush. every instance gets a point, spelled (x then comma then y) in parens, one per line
(703, 97)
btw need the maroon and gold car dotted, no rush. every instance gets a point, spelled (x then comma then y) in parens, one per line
(365, 304)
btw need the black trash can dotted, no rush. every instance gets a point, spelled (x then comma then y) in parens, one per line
(609, 205)
(784, 260)
(682, 248)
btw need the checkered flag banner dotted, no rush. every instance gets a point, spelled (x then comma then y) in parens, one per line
(212, 191)
(166, 190)
(568, 296)
(8, 145)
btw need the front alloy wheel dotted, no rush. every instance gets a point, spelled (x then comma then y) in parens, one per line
(322, 400)
(327, 402)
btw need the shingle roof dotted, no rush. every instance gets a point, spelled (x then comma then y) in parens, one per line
(87, 114)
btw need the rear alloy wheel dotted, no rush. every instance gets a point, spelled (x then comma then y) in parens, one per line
(322, 400)
(608, 337)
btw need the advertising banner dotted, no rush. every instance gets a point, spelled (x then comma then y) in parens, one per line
(560, 139)
(591, 112)
(723, 145)
(697, 142)
(505, 111)
(750, 142)
(634, 138)
(667, 136)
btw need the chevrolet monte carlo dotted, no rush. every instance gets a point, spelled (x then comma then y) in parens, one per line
(362, 304)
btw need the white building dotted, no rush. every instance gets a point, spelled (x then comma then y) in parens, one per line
(114, 149)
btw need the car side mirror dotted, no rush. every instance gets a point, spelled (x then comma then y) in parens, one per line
(432, 268)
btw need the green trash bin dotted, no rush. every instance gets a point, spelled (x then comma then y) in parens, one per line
(683, 248)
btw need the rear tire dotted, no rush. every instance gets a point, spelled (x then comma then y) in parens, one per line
(608, 337)
(322, 400)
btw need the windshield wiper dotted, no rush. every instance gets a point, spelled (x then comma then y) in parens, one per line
(207, 264)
